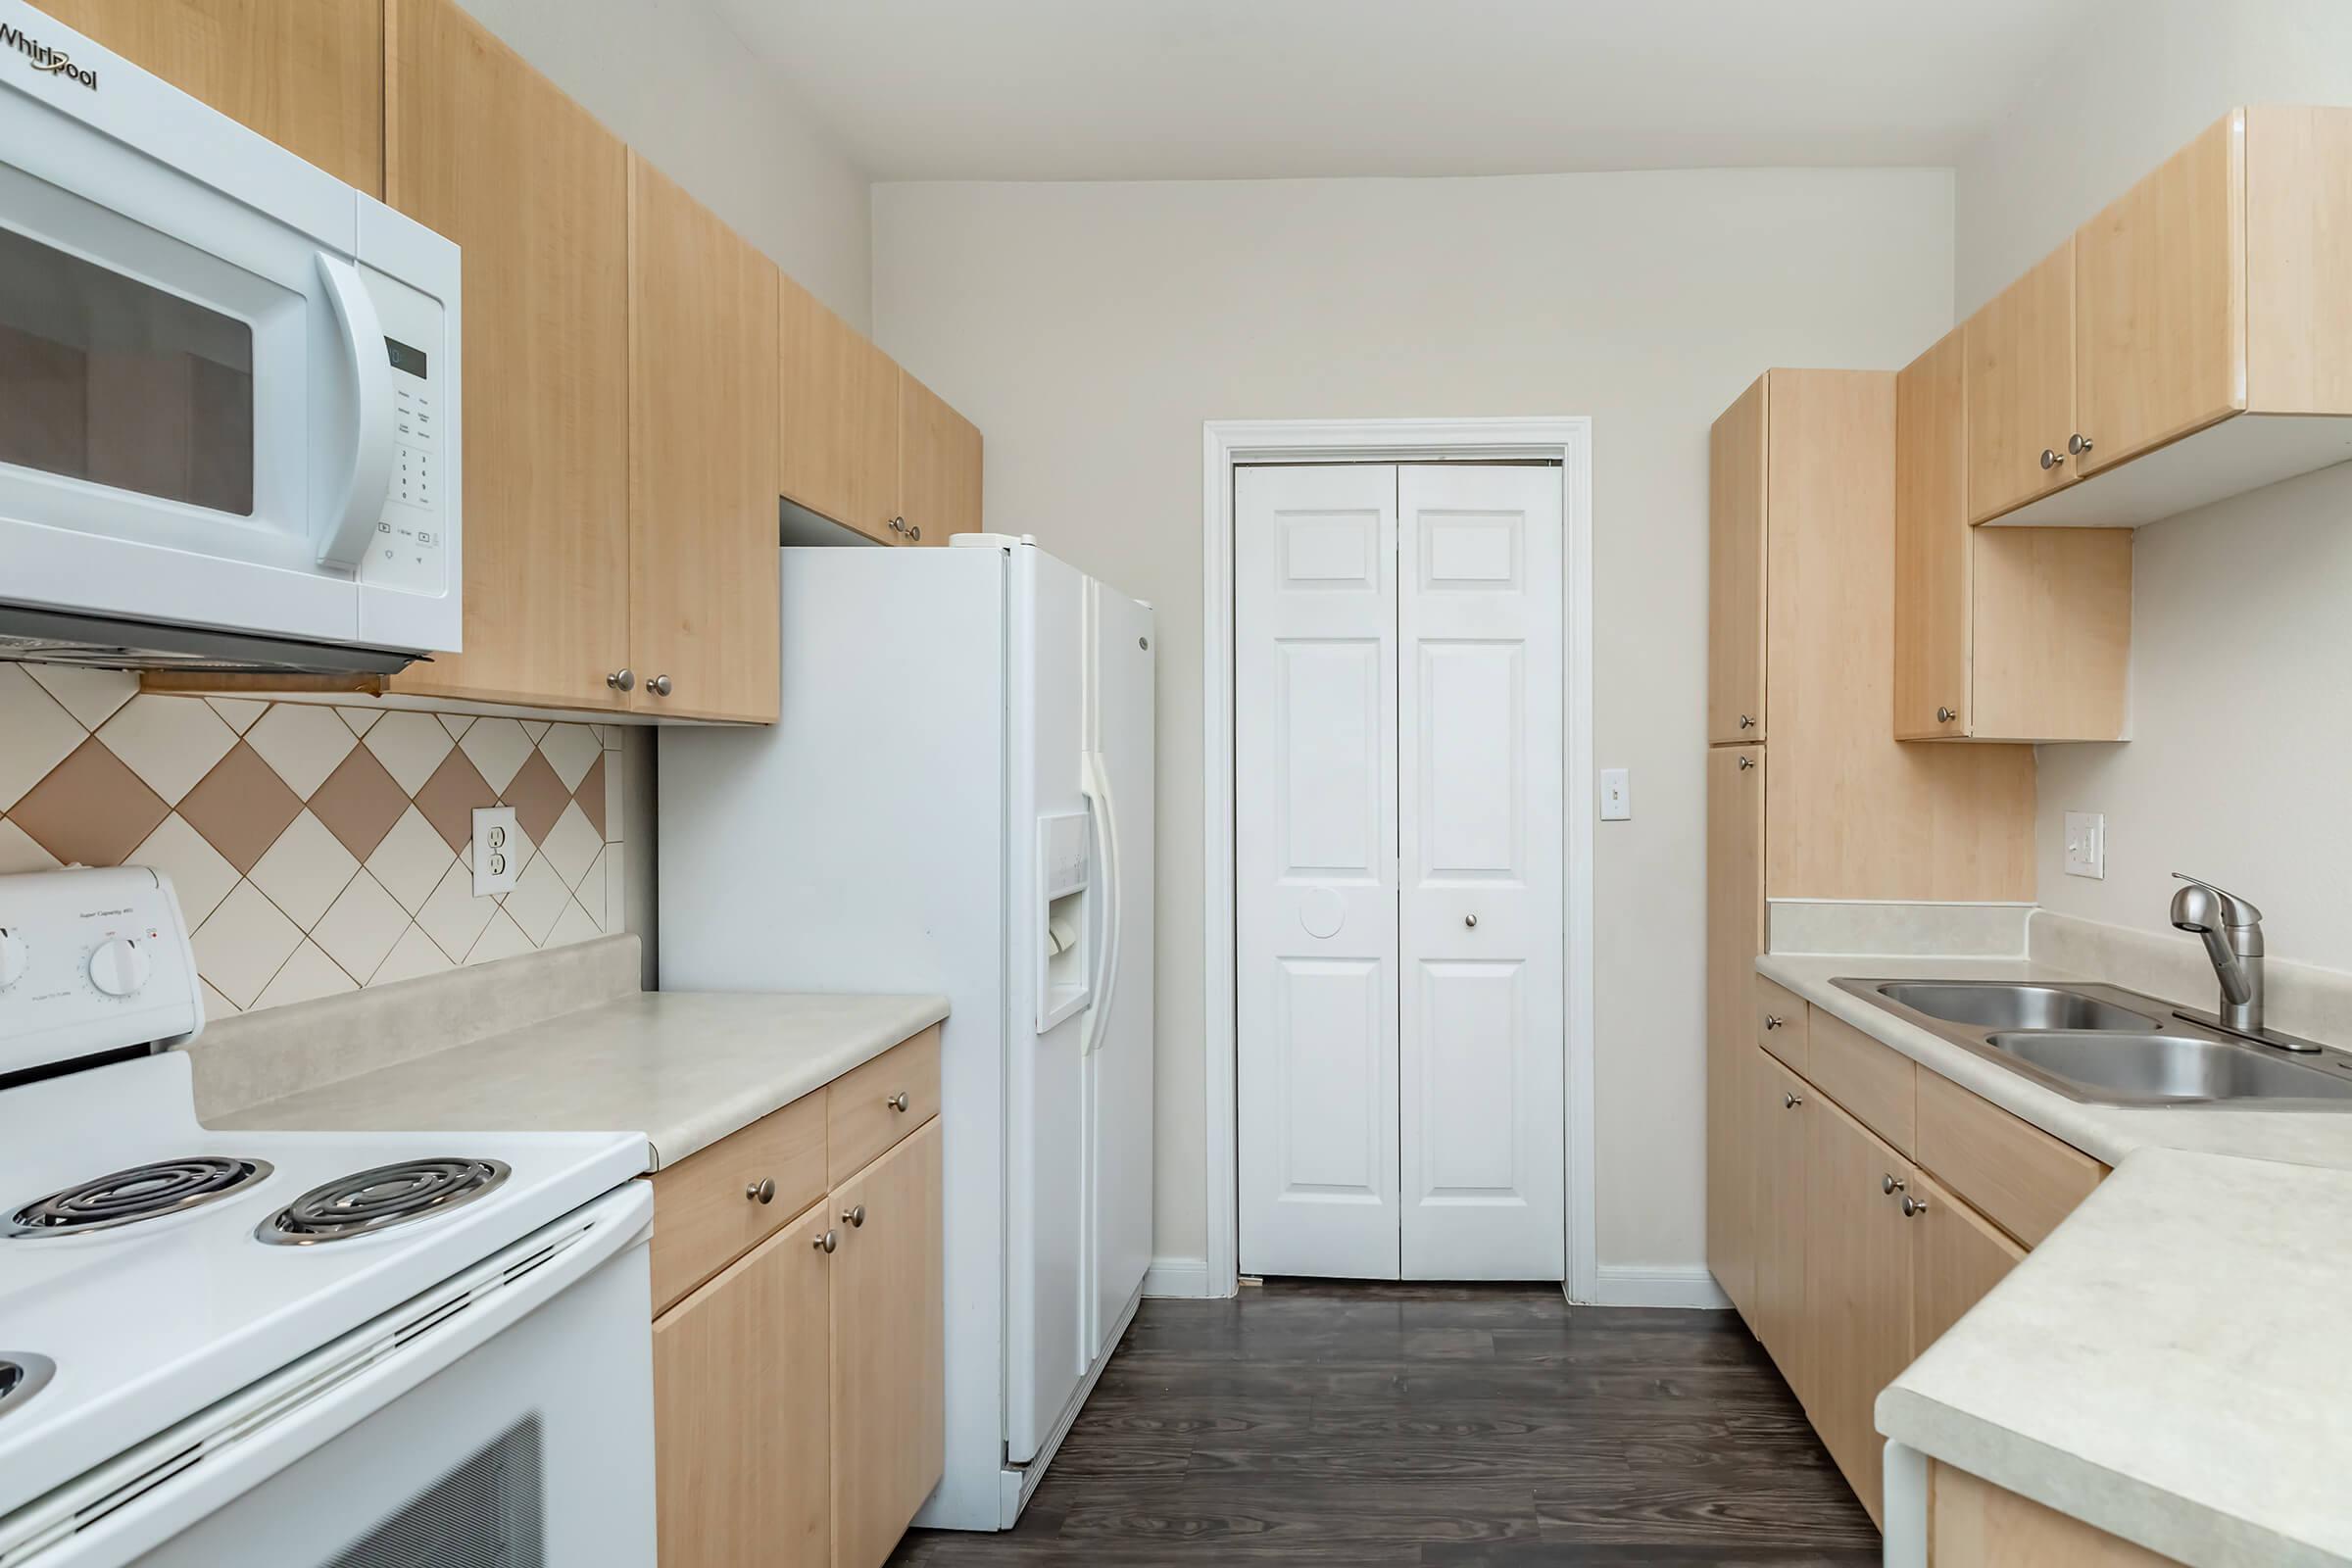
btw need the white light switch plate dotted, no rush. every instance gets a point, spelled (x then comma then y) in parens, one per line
(2086, 845)
(1616, 795)
(496, 841)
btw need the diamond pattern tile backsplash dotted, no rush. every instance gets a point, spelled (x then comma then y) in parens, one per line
(314, 849)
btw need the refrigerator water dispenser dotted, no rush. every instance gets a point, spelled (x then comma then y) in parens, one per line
(1065, 943)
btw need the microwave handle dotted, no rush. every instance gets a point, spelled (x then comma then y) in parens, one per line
(356, 503)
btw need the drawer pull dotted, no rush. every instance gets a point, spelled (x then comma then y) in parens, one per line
(1913, 1208)
(1771, 1022)
(855, 1217)
(897, 1102)
(1891, 1184)
(1790, 1101)
(827, 1241)
(763, 1190)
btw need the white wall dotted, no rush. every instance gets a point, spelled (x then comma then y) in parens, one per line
(2240, 644)
(1091, 328)
(672, 80)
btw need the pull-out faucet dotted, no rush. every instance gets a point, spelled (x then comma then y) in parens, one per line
(2231, 928)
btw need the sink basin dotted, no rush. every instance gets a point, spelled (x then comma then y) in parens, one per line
(2157, 1066)
(1996, 1006)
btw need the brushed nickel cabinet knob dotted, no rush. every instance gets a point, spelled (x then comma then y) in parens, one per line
(622, 680)
(660, 686)
(1747, 721)
(1944, 715)
(1913, 1208)
(897, 1102)
(1746, 762)
(1470, 921)
(1771, 1022)
(1891, 1184)
(2077, 443)
(1790, 1101)
(2050, 458)
(762, 1192)
(854, 1217)
(827, 1241)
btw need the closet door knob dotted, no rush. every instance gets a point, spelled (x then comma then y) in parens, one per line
(622, 680)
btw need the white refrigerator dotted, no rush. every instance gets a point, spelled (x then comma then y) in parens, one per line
(957, 798)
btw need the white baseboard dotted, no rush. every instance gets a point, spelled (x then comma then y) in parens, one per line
(1177, 1276)
(1648, 1285)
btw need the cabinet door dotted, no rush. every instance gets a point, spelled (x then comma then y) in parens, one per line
(1931, 545)
(939, 466)
(485, 150)
(2020, 350)
(1956, 1256)
(1782, 1111)
(889, 1358)
(2160, 302)
(703, 589)
(837, 446)
(742, 1427)
(1735, 480)
(1857, 1300)
(1734, 936)
(309, 76)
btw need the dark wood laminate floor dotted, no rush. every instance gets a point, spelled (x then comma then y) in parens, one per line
(1437, 1425)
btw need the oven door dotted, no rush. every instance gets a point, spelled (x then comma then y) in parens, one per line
(502, 1421)
(197, 399)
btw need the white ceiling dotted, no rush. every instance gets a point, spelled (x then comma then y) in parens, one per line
(1174, 89)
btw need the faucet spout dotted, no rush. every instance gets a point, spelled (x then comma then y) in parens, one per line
(2232, 930)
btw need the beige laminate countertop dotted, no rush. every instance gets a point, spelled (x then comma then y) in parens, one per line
(685, 1068)
(2162, 1366)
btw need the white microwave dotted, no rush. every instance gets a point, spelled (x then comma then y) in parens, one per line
(229, 413)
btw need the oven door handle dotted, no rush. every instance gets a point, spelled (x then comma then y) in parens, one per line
(354, 502)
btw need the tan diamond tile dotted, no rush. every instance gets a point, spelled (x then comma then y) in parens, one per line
(305, 871)
(19, 852)
(412, 956)
(238, 712)
(569, 749)
(411, 859)
(359, 801)
(537, 795)
(201, 876)
(38, 733)
(572, 844)
(451, 796)
(241, 807)
(170, 742)
(304, 977)
(91, 809)
(500, 939)
(359, 932)
(89, 695)
(244, 944)
(497, 747)
(410, 745)
(592, 798)
(304, 742)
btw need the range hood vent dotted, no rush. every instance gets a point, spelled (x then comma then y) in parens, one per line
(52, 637)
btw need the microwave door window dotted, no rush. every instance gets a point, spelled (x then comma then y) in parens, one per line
(108, 380)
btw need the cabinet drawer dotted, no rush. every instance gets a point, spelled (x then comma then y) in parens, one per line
(2018, 1176)
(1877, 1084)
(707, 1209)
(1782, 1022)
(865, 1119)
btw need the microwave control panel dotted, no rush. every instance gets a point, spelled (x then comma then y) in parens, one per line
(411, 550)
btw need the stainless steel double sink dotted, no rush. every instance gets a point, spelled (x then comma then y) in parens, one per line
(2102, 1044)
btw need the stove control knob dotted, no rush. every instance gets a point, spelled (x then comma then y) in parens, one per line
(119, 967)
(12, 959)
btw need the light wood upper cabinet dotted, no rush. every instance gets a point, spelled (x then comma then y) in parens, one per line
(2004, 634)
(485, 150)
(889, 1374)
(703, 430)
(1857, 1300)
(1783, 1110)
(742, 1408)
(309, 76)
(2160, 302)
(1734, 936)
(838, 441)
(1736, 448)
(939, 467)
(2019, 352)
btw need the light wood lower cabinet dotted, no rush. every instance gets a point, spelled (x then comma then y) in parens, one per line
(1734, 927)
(1861, 1238)
(1974, 1523)
(799, 1394)
(742, 1407)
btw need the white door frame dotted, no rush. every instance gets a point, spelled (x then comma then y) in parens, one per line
(1226, 443)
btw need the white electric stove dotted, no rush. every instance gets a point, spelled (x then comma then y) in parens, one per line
(290, 1349)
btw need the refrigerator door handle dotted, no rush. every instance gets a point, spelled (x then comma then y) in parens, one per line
(1097, 790)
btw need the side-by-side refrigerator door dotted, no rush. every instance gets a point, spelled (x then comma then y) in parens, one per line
(1119, 663)
(1054, 883)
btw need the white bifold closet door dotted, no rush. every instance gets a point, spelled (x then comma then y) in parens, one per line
(1397, 847)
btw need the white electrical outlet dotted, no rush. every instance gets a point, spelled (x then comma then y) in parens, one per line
(2086, 845)
(1616, 795)
(497, 850)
